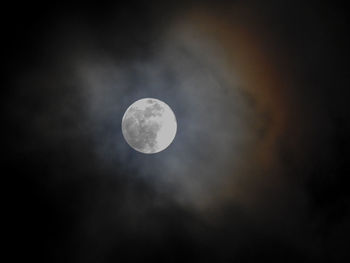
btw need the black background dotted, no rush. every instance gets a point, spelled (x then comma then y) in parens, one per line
(46, 216)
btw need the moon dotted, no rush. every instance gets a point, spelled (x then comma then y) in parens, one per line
(149, 125)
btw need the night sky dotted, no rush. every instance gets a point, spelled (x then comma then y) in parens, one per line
(257, 171)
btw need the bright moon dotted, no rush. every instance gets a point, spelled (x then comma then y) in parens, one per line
(149, 125)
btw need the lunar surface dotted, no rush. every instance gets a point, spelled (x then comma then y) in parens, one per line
(149, 125)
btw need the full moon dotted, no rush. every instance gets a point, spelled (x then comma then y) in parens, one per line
(149, 125)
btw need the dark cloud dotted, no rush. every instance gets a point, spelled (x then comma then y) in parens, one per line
(257, 170)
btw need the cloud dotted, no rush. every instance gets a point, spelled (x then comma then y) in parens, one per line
(232, 185)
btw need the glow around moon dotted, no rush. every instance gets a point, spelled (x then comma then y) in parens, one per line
(149, 125)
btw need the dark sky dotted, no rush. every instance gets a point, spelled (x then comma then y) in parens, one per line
(257, 170)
